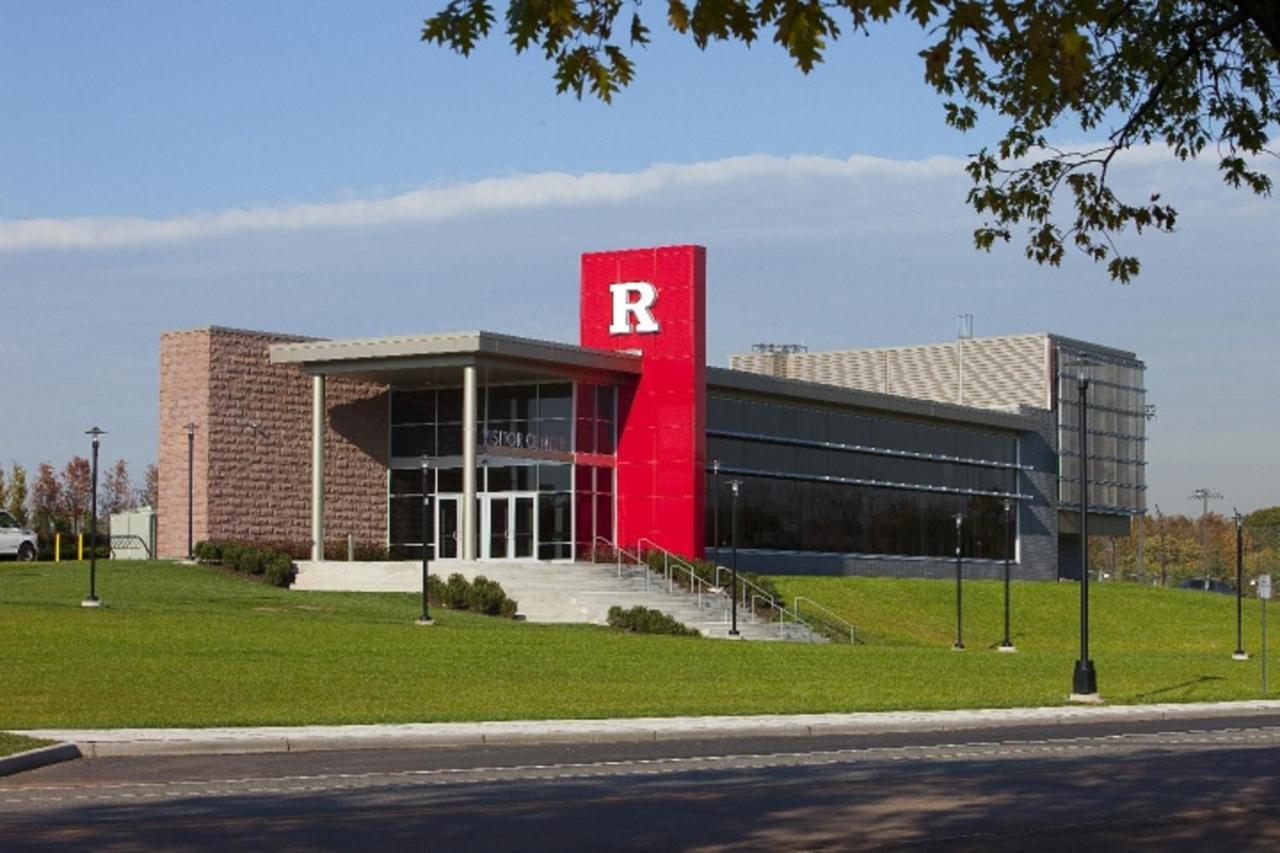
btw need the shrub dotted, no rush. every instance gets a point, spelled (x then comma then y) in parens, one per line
(275, 566)
(278, 570)
(208, 552)
(643, 620)
(488, 597)
(457, 593)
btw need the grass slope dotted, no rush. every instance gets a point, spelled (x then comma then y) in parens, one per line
(11, 744)
(185, 646)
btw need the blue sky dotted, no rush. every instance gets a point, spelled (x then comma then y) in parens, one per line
(313, 168)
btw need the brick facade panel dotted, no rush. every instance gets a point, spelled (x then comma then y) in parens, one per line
(253, 448)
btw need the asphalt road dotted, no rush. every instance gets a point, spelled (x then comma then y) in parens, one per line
(1190, 785)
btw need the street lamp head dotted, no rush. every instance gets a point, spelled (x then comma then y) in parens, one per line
(715, 466)
(733, 484)
(1008, 506)
(426, 463)
(191, 428)
(959, 517)
(95, 432)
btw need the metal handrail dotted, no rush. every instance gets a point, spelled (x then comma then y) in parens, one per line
(688, 568)
(817, 606)
(618, 551)
(672, 562)
(746, 584)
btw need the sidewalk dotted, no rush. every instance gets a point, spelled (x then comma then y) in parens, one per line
(101, 743)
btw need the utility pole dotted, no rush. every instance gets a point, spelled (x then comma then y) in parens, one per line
(1204, 495)
(1164, 554)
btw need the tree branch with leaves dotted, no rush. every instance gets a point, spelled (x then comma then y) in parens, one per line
(1190, 75)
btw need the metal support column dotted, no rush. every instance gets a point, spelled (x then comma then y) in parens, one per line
(317, 467)
(469, 520)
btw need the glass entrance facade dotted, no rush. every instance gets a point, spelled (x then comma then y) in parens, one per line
(526, 483)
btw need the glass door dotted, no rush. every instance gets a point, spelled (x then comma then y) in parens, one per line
(447, 528)
(497, 537)
(509, 527)
(522, 516)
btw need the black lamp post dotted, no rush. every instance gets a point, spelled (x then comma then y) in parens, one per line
(1006, 645)
(715, 508)
(425, 618)
(191, 455)
(1084, 684)
(93, 600)
(733, 526)
(1239, 652)
(959, 644)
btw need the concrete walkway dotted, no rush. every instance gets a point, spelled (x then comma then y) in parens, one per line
(109, 742)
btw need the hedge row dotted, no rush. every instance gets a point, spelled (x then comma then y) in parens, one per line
(334, 549)
(273, 566)
(643, 620)
(479, 596)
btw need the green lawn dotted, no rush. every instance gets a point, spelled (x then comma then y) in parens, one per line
(11, 744)
(185, 646)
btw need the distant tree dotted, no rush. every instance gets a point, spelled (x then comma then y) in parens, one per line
(116, 494)
(16, 502)
(1188, 74)
(46, 499)
(1263, 519)
(77, 488)
(149, 492)
(4, 490)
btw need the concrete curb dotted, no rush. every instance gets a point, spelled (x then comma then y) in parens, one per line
(40, 757)
(213, 741)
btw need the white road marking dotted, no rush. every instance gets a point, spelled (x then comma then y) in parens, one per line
(1116, 744)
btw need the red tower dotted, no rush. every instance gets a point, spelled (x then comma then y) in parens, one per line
(653, 301)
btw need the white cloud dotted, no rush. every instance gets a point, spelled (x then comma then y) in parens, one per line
(520, 192)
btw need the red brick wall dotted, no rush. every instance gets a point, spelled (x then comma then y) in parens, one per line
(253, 444)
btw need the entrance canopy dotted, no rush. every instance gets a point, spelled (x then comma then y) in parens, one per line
(442, 360)
(437, 360)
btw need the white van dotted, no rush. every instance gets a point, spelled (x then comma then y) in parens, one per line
(16, 540)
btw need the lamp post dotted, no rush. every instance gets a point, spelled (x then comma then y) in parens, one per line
(93, 600)
(1084, 684)
(733, 527)
(715, 508)
(959, 644)
(191, 455)
(1239, 653)
(425, 618)
(1006, 645)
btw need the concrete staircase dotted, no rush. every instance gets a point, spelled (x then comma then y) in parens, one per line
(559, 592)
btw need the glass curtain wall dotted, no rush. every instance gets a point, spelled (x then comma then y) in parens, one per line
(1117, 418)
(841, 482)
(596, 434)
(526, 434)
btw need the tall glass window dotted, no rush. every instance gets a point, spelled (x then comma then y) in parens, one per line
(848, 482)
(525, 435)
(778, 514)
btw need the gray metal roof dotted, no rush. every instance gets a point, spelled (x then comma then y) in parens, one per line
(437, 358)
(797, 390)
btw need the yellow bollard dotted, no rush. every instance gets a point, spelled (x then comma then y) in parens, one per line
(57, 547)
(79, 546)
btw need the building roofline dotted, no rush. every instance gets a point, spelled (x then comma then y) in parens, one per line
(315, 355)
(1056, 338)
(1099, 349)
(818, 392)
